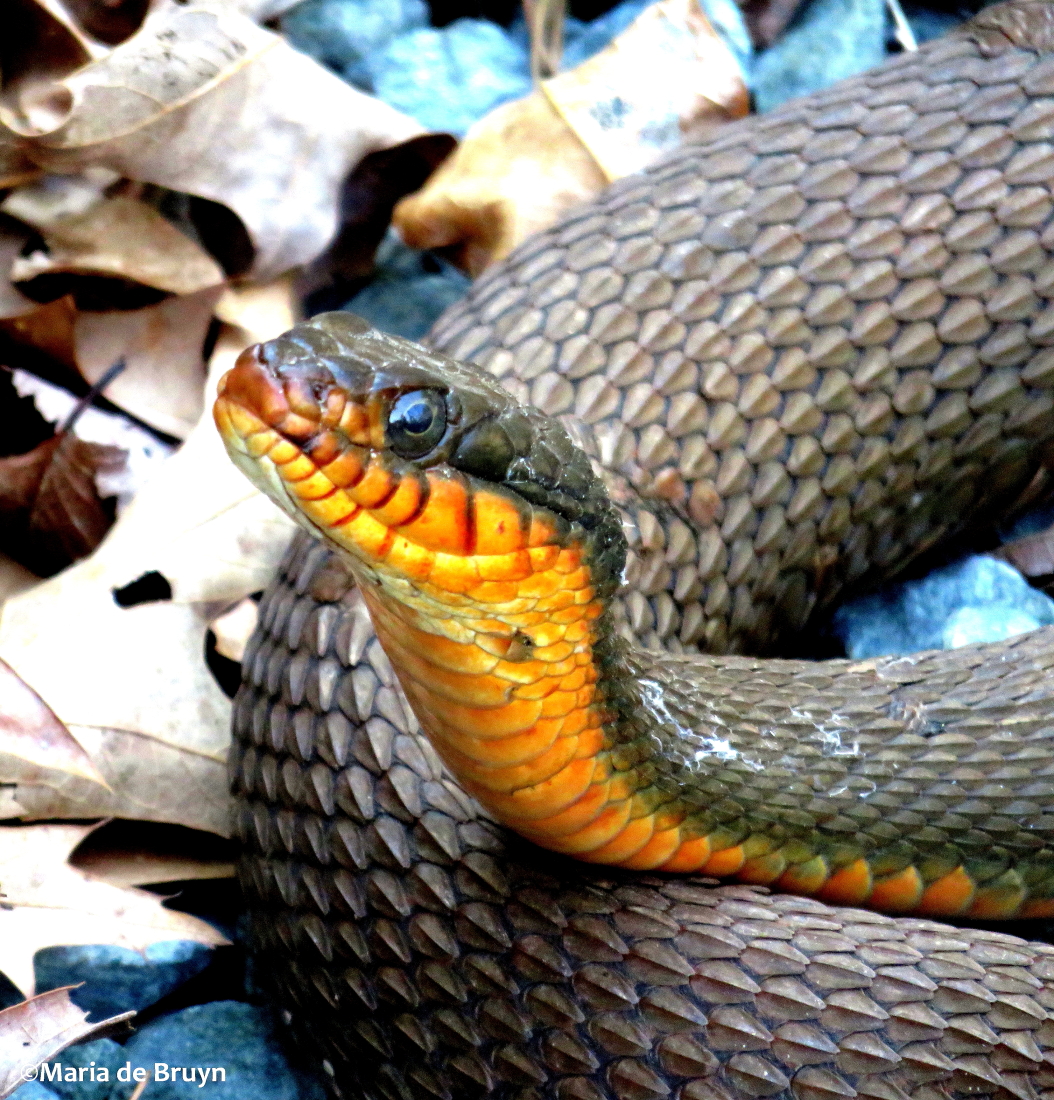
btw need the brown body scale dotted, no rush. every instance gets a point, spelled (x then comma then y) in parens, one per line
(804, 352)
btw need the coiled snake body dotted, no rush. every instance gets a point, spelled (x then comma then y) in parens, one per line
(799, 354)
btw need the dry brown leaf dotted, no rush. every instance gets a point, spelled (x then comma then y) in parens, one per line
(48, 46)
(34, 1031)
(102, 667)
(12, 301)
(47, 902)
(131, 683)
(16, 169)
(49, 504)
(149, 781)
(516, 171)
(144, 451)
(145, 868)
(1032, 554)
(162, 348)
(30, 731)
(119, 238)
(138, 853)
(667, 79)
(50, 329)
(201, 100)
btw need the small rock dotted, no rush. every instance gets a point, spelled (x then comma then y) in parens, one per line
(100, 1060)
(230, 1036)
(978, 599)
(409, 292)
(827, 41)
(927, 23)
(117, 979)
(344, 33)
(33, 1090)
(10, 994)
(449, 78)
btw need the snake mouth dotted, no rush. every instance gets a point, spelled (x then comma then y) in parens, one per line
(406, 460)
(394, 456)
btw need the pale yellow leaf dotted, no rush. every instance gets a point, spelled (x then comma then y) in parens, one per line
(667, 79)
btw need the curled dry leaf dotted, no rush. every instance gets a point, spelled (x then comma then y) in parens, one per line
(48, 902)
(34, 1031)
(667, 79)
(131, 683)
(517, 170)
(30, 731)
(202, 77)
(118, 238)
(49, 504)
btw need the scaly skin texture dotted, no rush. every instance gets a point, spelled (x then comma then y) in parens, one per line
(858, 285)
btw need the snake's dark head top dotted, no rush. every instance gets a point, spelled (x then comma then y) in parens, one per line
(333, 385)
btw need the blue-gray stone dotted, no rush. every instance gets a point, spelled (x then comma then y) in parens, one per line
(33, 1090)
(827, 41)
(344, 33)
(117, 979)
(977, 599)
(583, 40)
(449, 78)
(92, 1066)
(927, 23)
(10, 994)
(229, 1036)
(409, 292)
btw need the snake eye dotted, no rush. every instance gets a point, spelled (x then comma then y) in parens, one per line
(416, 423)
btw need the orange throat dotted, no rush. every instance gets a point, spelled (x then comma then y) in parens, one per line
(505, 689)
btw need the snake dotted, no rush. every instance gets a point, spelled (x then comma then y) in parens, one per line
(534, 797)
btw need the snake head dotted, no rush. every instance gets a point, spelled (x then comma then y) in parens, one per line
(396, 454)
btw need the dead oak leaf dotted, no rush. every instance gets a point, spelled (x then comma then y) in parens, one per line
(202, 101)
(51, 511)
(34, 1031)
(49, 903)
(31, 731)
(116, 238)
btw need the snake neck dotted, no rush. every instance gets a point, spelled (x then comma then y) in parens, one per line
(522, 697)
